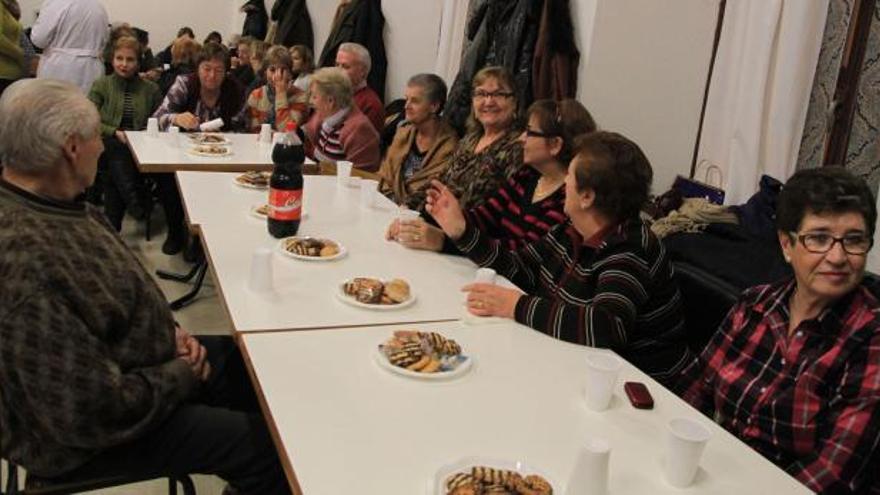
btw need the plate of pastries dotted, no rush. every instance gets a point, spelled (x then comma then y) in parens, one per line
(211, 150)
(311, 248)
(480, 476)
(423, 355)
(375, 293)
(253, 180)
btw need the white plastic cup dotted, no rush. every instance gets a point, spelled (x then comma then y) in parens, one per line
(153, 127)
(266, 133)
(602, 371)
(354, 182)
(174, 132)
(685, 441)
(260, 279)
(590, 474)
(343, 172)
(368, 192)
(485, 276)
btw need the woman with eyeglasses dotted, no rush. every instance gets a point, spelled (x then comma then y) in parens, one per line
(530, 203)
(600, 278)
(794, 370)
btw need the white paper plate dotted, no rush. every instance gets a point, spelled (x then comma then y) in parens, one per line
(465, 465)
(256, 214)
(463, 367)
(342, 296)
(196, 152)
(196, 138)
(248, 185)
(281, 243)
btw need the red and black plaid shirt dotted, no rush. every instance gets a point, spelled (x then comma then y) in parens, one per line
(809, 401)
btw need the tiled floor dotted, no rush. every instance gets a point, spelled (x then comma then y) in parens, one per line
(204, 316)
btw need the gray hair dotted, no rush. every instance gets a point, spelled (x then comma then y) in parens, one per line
(433, 86)
(36, 117)
(333, 82)
(360, 52)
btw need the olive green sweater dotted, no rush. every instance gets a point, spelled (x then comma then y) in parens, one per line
(87, 341)
(11, 53)
(108, 94)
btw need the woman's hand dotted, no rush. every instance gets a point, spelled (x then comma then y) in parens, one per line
(491, 300)
(281, 81)
(418, 234)
(186, 120)
(444, 207)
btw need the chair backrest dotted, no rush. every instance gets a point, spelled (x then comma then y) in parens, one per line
(706, 300)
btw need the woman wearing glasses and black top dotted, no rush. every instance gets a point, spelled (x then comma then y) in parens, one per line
(529, 204)
(794, 371)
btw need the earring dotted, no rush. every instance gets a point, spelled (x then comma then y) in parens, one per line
(787, 258)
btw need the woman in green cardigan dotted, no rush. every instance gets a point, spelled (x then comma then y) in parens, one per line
(125, 102)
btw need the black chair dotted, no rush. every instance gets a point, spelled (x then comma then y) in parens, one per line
(41, 486)
(706, 300)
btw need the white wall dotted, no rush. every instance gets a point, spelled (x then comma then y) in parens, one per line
(645, 73)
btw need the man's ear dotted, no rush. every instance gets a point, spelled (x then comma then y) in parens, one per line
(587, 198)
(70, 148)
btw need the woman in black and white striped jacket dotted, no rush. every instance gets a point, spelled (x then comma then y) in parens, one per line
(601, 278)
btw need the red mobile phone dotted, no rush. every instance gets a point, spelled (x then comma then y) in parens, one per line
(638, 395)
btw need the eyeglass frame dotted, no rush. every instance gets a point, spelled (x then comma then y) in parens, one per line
(479, 94)
(834, 240)
(540, 134)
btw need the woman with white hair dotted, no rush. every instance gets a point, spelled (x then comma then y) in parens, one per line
(96, 375)
(338, 130)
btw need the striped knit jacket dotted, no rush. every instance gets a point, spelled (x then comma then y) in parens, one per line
(617, 293)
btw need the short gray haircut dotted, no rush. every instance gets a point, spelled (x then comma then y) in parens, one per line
(433, 86)
(360, 52)
(333, 82)
(37, 116)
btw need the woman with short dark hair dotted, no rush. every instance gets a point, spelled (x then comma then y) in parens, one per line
(208, 94)
(794, 370)
(601, 278)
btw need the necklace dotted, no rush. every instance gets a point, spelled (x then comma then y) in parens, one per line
(542, 189)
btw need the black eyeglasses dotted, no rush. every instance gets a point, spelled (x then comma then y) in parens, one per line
(822, 243)
(479, 94)
(533, 133)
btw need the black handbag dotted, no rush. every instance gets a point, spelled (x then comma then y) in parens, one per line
(693, 188)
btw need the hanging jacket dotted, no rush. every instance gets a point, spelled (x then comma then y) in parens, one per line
(294, 23)
(501, 32)
(555, 64)
(256, 20)
(360, 21)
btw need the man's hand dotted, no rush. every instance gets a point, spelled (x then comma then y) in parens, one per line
(190, 350)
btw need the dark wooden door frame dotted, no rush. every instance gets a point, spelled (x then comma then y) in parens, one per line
(719, 23)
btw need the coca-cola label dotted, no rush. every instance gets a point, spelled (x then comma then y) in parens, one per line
(285, 204)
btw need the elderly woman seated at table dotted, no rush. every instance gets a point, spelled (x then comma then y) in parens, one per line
(204, 96)
(184, 55)
(278, 102)
(794, 370)
(525, 207)
(422, 146)
(599, 279)
(124, 101)
(338, 130)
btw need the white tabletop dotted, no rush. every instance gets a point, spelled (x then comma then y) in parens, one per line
(345, 425)
(169, 153)
(305, 295)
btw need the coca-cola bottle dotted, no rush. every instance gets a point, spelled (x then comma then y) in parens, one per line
(286, 185)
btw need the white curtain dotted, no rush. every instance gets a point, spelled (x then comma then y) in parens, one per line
(452, 28)
(760, 91)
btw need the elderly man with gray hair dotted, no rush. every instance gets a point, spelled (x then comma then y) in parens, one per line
(96, 378)
(355, 60)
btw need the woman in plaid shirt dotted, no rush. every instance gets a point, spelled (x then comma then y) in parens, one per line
(794, 370)
(600, 278)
